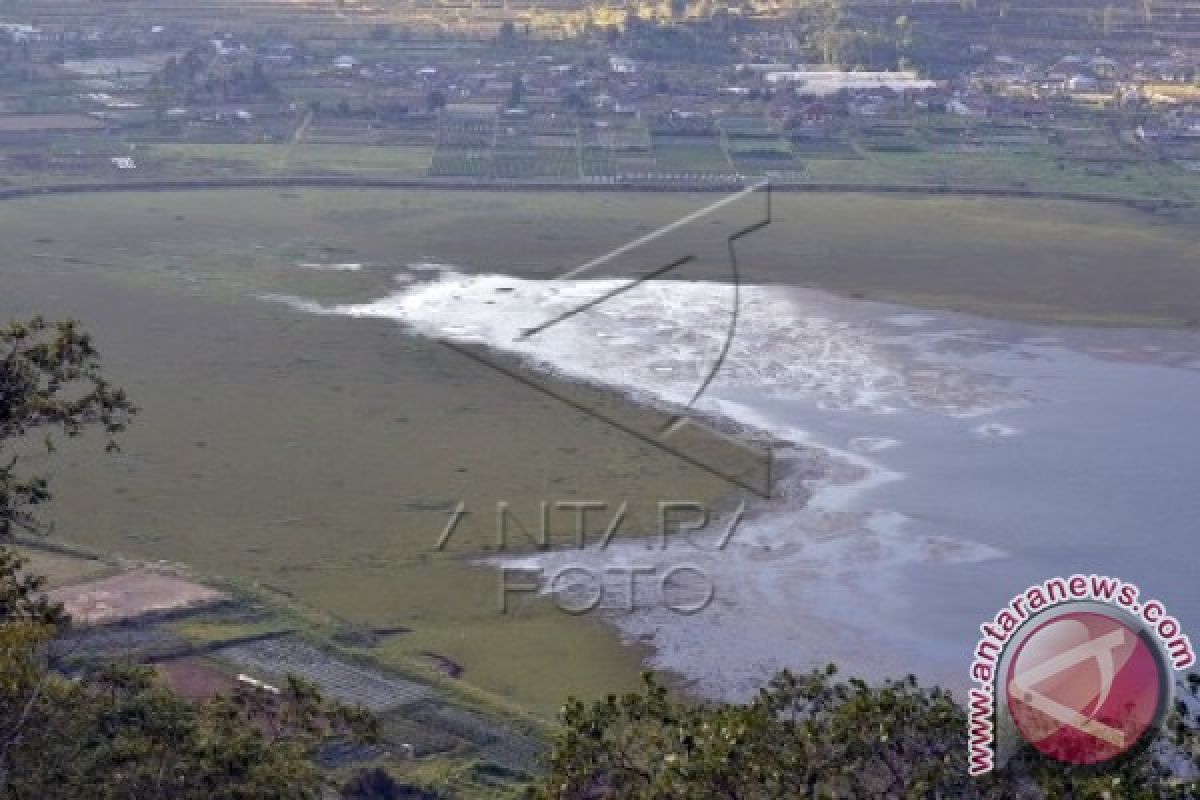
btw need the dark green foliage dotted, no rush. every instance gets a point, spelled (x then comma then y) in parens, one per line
(117, 732)
(21, 598)
(810, 736)
(50, 381)
(377, 784)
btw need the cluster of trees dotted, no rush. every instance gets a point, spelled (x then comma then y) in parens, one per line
(701, 42)
(190, 80)
(832, 31)
(116, 731)
(813, 736)
(179, 72)
(836, 35)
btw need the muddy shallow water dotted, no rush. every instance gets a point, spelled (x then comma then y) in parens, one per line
(963, 460)
(953, 460)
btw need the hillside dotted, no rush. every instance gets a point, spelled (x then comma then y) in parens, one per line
(1122, 24)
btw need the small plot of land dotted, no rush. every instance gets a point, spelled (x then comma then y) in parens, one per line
(195, 678)
(890, 137)
(691, 154)
(129, 65)
(755, 147)
(124, 641)
(823, 147)
(21, 123)
(499, 744)
(326, 130)
(216, 160)
(131, 595)
(341, 681)
(229, 624)
(1073, 151)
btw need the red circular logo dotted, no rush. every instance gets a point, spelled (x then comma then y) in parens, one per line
(1085, 687)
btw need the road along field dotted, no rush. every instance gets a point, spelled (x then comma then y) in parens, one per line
(323, 455)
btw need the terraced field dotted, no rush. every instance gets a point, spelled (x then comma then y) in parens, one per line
(339, 680)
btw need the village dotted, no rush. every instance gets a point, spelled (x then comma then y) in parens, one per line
(696, 104)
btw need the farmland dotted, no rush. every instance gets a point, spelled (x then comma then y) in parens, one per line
(434, 730)
(1090, 102)
(939, 152)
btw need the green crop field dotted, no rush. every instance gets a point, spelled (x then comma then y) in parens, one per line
(301, 159)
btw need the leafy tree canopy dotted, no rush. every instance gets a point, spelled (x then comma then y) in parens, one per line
(50, 381)
(813, 736)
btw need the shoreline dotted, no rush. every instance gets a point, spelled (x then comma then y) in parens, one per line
(339, 182)
(813, 531)
(852, 558)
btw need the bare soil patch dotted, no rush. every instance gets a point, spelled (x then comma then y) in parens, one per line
(20, 123)
(195, 678)
(131, 595)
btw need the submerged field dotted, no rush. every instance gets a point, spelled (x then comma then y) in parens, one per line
(321, 455)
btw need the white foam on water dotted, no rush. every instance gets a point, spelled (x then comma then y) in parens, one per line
(661, 338)
(790, 587)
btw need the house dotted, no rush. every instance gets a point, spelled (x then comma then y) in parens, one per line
(1082, 83)
(1103, 66)
(1030, 109)
(1177, 69)
(280, 54)
(226, 47)
(622, 65)
(1188, 126)
(971, 106)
